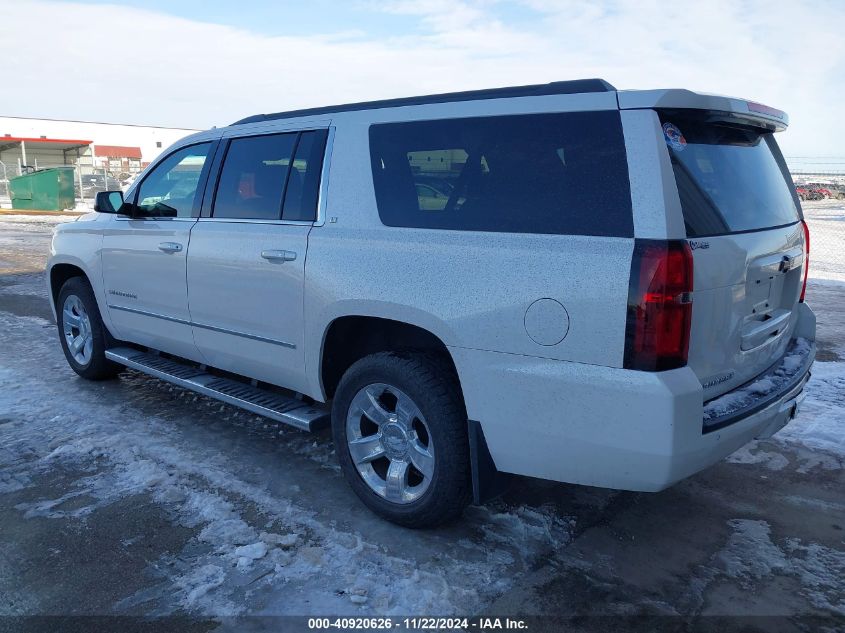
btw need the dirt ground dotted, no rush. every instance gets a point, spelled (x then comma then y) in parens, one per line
(133, 497)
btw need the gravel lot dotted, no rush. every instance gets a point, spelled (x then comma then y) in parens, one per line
(134, 497)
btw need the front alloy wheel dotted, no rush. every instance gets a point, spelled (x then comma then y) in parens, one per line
(83, 336)
(76, 327)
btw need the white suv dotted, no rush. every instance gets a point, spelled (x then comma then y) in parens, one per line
(562, 281)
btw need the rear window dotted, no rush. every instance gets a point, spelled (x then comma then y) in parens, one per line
(252, 181)
(543, 173)
(730, 179)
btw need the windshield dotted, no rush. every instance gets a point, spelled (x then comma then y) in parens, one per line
(730, 179)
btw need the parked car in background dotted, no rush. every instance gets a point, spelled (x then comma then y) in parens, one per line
(805, 192)
(824, 189)
(604, 295)
(430, 198)
(94, 183)
(126, 180)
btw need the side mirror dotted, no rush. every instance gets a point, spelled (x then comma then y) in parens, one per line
(108, 202)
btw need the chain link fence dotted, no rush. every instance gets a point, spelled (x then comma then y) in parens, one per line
(824, 211)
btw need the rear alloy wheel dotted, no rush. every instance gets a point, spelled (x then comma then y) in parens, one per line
(83, 336)
(400, 432)
(390, 443)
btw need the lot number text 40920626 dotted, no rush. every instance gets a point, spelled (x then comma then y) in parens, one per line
(418, 624)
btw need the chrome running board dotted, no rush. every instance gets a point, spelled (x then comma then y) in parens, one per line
(308, 417)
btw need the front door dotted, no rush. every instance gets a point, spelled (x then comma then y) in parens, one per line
(246, 263)
(144, 256)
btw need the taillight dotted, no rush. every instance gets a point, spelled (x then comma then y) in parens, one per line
(659, 305)
(806, 258)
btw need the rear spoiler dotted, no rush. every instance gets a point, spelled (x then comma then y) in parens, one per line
(748, 112)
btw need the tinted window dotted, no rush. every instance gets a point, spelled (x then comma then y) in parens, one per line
(729, 178)
(304, 179)
(543, 173)
(253, 178)
(171, 188)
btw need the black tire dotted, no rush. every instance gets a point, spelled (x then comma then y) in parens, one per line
(431, 384)
(97, 367)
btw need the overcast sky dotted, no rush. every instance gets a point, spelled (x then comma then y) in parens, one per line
(197, 63)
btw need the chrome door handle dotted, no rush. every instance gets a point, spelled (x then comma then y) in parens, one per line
(279, 256)
(170, 247)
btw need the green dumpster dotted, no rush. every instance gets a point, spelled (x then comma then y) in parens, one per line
(46, 189)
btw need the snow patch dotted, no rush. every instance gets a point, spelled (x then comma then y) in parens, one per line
(197, 584)
(122, 439)
(254, 551)
(751, 555)
(284, 541)
(820, 423)
(753, 454)
(36, 222)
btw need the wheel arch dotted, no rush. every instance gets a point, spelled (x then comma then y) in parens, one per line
(60, 269)
(58, 274)
(350, 337)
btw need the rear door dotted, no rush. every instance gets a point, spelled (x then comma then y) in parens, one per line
(246, 263)
(744, 226)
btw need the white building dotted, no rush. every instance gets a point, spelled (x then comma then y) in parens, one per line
(93, 147)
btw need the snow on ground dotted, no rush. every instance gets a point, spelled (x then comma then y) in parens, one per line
(821, 421)
(274, 529)
(751, 555)
(291, 554)
(52, 219)
(123, 451)
(818, 427)
(25, 241)
(753, 454)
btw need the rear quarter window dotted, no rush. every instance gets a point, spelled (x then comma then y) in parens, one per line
(544, 173)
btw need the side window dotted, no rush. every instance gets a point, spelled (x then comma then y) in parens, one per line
(253, 178)
(563, 173)
(171, 189)
(304, 180)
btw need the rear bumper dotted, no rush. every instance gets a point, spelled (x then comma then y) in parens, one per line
(603, 426)
(775, 385)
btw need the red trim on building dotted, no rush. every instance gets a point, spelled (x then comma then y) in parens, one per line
(117, 151)
(63, 141)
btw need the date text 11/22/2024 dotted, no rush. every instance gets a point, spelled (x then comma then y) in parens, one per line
(418, 624)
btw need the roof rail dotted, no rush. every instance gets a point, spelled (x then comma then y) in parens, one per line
(554, 88)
